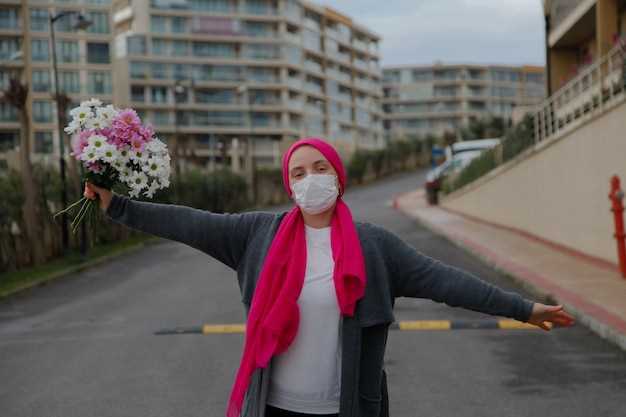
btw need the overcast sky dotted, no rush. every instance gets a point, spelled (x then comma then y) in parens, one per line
(468, 31)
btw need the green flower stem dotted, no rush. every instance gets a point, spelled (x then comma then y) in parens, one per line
(71, 206)
(80, 212)
(89, 205)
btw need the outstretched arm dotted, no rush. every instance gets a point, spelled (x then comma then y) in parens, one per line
(222, 236)
(418, 275)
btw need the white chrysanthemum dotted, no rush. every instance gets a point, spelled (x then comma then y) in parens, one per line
(139, 156)
(92, 102)
(106, 114)
(81, 114)
(119, 164)
(99, 142)
(90, 154)
(134, 191)
(152, 188)
(138, 179)
(124, 175)
(153, 167)
(95, 123)
(163, 182)
(156, 146)
(124, 153)
(109, 153)
(72, 127)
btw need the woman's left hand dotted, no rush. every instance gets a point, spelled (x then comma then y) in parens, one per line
(546, 316)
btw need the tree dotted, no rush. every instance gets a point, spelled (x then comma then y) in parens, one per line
(489, 127)
(16, 95)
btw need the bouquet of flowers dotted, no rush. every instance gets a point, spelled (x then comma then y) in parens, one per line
(116, 149)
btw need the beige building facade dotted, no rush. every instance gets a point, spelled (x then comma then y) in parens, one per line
(430, 100)
(208, 74)
(84, 63)
(212, 74)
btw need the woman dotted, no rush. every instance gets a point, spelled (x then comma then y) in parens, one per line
(318, 289)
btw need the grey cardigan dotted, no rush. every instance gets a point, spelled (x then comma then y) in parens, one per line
(393, 268)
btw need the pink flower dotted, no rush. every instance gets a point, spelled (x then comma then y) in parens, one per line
(138, 143)
(124, 127)
(79, 142)
(147, 132)
(95, 167)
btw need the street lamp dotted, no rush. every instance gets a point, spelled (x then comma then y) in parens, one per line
(244, 92)
(81, 24)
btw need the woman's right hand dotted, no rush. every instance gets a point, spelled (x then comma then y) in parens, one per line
(91, 191)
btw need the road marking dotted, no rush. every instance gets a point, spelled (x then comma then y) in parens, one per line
(424, 325)
(400, 325)
(223, 328)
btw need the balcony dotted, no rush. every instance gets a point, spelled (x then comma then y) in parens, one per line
(294, 83)
(595, 90)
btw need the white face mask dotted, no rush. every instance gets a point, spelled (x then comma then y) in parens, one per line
(316, 192)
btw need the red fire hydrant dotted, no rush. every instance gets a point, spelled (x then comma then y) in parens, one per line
(616, 196)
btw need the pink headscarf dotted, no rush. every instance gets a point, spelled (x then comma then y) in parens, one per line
(274, 315)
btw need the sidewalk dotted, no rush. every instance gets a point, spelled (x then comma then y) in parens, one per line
(592, 290)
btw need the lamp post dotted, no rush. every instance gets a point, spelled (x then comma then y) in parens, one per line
(178, 89)
(244, 92)
(81, 24)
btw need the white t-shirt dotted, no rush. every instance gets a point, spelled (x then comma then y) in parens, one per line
(306, 378)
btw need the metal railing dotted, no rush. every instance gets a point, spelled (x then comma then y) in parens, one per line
(590, 92)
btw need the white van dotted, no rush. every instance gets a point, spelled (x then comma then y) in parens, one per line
(470, 145)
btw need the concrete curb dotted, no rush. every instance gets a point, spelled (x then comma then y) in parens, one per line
(79, 267)
(604, 330)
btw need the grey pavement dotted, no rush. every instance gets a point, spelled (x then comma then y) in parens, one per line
(85, 345)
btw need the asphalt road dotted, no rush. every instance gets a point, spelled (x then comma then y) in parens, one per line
(85, 345)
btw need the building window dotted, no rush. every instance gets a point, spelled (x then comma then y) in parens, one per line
(67, 51)
(218, 6)
(180, 48)
(43, 142)
(99, 22)
(158, 24)
(40, 50)
(69, 82)
(138, 93)
(138, 70)
(159, 94)
(65, 23)
(9, 18)
(42, 111)
(9, 47)
(160, 47)
(8, 141)
(161, 117)
(214, 49)
(8, 113)
(136, 45)
(160, 71)
(99, 82)
(261, 51)
(179, 24)
(38, 19)
(215, 96)
(98, 53)
(181, 71)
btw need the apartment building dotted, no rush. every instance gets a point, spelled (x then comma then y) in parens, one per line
(585, 50)
(211, 74)
(84, 63)
(430, 100)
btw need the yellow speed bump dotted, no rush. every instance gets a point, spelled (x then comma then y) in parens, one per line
(223, 328)
(424, 325)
